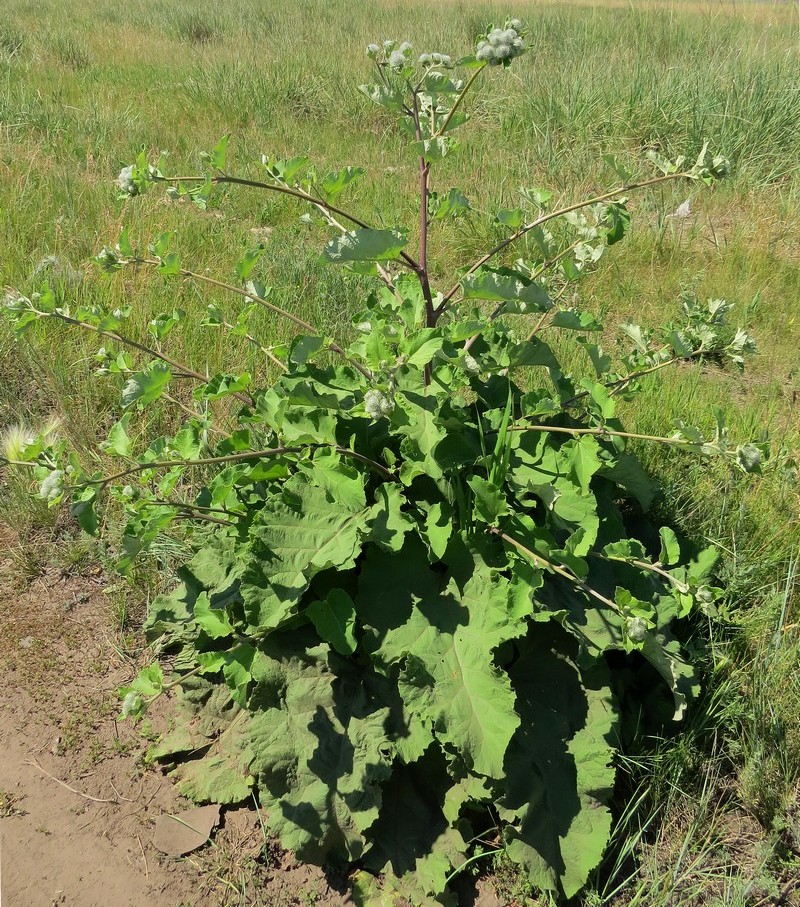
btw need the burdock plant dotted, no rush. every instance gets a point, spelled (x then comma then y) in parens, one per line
(422, 578)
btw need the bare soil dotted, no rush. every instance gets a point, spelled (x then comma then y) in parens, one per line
(77, 800)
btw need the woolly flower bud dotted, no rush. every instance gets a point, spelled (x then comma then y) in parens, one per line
(125, 180)
(52, 486)
(107, 256)
(516, 24)
(425, 60)
(13, 299)
(487, 54)
(503, 52)
(705, 595)
(377, 404)
(636, 628)
(404, 48)
(397, 60)
(720, 167)
(495, 37)
(373, 50)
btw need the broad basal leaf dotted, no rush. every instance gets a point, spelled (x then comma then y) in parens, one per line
(297, 534)
(559, 773)
(334, 618)
(441, 635)
(388, 523)
(213, 731)
(322, 743)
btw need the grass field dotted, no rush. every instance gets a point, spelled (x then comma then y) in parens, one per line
(84, 86)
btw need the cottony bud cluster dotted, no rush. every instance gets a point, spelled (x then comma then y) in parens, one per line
(52, 486)
(378, 404)
(429, 60)
(501, 45)
(636, 628)
(397, 57)
(126, 182)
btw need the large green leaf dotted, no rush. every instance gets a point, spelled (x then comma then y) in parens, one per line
(297, 534)
(334, 618)
(508, 287)
(213, 732)
(416, 847)
(558, 768)
(146, 386)
(443, 635)
(364, 244)
(322, 742)
(388, 523)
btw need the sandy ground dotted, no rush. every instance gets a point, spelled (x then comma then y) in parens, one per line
(77, 801)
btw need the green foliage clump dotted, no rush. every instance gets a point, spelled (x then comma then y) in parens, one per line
(414, 552)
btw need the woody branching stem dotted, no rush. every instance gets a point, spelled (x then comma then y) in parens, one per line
(223, 179)
(558, 569)
(457, 103)
(247, 294)
(242, 457)
(544, 218)
(618, 385)
(424, 171)
(182, 371)
(603, 432)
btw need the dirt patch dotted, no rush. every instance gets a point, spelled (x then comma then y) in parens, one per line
(78, 803)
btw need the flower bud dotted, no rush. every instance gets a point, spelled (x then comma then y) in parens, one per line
(125, 181)
(636, 628)
(378, 404)
(52, 486)
(720, 167)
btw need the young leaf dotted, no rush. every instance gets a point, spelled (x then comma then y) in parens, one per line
(245, 265)
(212, 621)
(219, 155)
(500, 286)
(119, 441)
(670, 547)
(146, 386)
(490, 502)
(335, 618)
(365, 245)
